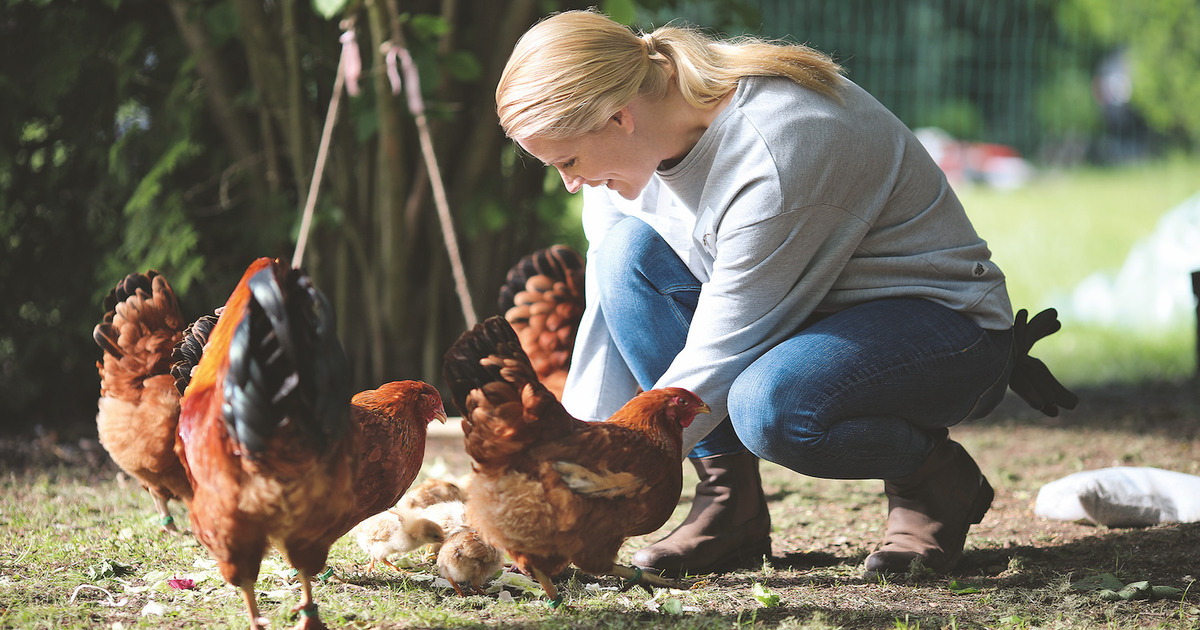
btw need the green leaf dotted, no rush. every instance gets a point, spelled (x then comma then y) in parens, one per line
(765, 596)
(429, 26)
(1099, 582)
(106, 569)
(463, 66)
(672, 606)
(330, 8)
(963, 589)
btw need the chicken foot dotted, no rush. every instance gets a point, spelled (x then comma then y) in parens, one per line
(552, 593)
(635, 576)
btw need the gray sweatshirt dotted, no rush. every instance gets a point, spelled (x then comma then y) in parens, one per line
(801, 204)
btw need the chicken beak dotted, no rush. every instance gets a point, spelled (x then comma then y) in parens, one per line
(703, 408)
(440, 415)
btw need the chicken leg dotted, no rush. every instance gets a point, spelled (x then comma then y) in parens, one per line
(309, 619)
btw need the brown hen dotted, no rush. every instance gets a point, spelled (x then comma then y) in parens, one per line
(552, 490)
(138, 408)
(543, 299)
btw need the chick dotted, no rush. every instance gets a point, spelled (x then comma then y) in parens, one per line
(466, 560)
(430, 492)
(393, 532)
(449, 515)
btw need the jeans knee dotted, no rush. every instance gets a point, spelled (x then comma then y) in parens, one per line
(756, 419)
(623, 246)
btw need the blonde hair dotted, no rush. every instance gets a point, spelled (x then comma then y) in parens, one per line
(572, 71)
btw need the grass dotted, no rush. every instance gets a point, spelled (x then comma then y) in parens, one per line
(1053, 233)
(81, 548)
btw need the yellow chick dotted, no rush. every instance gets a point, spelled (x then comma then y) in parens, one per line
(395, 532)
(466, 560)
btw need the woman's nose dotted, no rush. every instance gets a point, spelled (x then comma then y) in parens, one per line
(572, 182)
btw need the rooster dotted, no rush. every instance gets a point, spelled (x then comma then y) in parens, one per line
(552, 490)
(265, 433)
(274, 450)
(138, 408)
(543, 299)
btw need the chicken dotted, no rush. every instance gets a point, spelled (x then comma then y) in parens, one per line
(542, 298)
(393, 420)
(466, 559)
(288, 450)
(138, 408)
(552, 490)
(431, 492)
(265, 433)
(394, 532)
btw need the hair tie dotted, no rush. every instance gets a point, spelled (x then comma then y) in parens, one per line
(648, 39)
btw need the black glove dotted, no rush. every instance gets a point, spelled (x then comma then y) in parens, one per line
(1031, 379)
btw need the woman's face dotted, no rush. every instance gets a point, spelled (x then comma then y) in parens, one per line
(610, 157)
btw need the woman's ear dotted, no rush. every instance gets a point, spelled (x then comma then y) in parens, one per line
(623, 119)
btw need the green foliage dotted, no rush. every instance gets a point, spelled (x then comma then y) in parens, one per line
(1065, 106)
(1165, 53)
(330, 8)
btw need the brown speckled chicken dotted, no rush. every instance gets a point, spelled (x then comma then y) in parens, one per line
(543, 299)
(138, 408)
(552, 490)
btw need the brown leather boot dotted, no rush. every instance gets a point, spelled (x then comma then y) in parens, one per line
(727, 528)
(930, 512)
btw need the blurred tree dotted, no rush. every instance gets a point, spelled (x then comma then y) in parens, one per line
(1164, 51)
(182, 136)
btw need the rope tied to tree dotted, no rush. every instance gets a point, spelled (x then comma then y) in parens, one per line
(349, 67)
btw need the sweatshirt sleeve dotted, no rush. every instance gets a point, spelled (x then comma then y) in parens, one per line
(599, 381)
(768, 277)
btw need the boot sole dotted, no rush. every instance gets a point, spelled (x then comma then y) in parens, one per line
(747, 557)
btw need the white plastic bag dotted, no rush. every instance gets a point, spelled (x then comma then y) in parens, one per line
(1122, 496)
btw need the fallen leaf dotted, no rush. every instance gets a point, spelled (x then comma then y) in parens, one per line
(765, 596)
(154, 608)
(1099, 582)
(183, 584)
(963, 589)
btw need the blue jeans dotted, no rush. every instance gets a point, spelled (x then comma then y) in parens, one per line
(864, 393)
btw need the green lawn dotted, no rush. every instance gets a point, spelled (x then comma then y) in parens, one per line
(1051, 234)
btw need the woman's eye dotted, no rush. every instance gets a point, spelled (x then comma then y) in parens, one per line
(569, 163)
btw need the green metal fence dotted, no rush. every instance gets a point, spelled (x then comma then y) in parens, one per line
(1002, 71)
